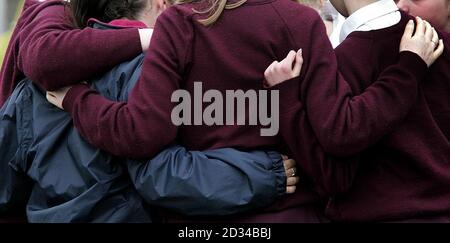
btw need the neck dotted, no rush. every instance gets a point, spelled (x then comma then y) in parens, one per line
(354, 5)
(149, 16)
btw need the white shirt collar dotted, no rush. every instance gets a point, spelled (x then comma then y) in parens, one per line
(379, 15)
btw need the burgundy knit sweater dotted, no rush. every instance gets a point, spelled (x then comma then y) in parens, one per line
(45, 48)
(233, 54)
(406, 174)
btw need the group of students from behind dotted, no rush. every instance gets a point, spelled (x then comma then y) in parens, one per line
(364, 127)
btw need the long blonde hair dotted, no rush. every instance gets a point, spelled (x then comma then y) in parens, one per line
(215, 9)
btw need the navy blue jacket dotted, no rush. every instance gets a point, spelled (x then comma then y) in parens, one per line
(46, 164)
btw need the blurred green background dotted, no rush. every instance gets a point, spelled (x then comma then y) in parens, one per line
(4, 37)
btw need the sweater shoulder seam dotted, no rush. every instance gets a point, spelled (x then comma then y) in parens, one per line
(292, 39)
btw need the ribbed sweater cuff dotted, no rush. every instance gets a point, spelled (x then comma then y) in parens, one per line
(73, 93)
(413, 63)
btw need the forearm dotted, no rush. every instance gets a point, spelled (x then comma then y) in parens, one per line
(329, 175)
(137, 129)
(346, 123)
(54, 54)
(217, 182)
(143, 126)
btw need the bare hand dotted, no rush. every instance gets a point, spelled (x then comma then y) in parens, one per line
(291, 174)
(424, 42)
(57, 97)
(289, 68)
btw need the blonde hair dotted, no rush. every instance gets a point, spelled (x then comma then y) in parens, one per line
(215, 9)
(311, 3)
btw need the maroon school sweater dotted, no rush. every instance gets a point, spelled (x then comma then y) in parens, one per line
(45, 48)
(406, 174)
(233, 54)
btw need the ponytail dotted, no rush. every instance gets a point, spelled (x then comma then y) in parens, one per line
(83, 10)
(215, 9)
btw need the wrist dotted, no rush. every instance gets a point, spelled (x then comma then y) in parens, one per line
(72, 94)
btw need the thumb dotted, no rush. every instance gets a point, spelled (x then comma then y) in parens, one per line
(298, 63)
(286, 64)
(290, 57)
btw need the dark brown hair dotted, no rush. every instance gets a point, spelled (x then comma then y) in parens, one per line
(104, 10)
